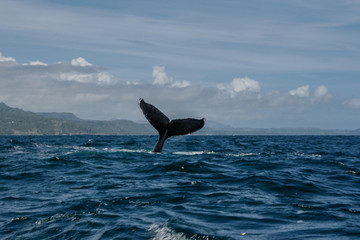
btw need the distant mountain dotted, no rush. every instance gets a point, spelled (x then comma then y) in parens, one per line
(15, 121)
(55, 115)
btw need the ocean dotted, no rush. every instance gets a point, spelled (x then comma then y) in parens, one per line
(199, 187)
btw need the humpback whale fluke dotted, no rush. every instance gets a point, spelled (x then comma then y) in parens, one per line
(167, 128)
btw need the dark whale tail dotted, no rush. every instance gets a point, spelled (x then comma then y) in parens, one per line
(167, 128)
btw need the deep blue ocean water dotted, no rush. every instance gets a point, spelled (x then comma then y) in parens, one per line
(200, 187)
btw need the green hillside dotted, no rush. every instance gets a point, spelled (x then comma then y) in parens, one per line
(14, 121)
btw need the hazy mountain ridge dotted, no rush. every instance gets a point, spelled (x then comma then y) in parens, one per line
(15, 121)
(56, 115)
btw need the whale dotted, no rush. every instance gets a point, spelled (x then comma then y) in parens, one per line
(167, 128)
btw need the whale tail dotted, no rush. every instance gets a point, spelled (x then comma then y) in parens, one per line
(167, 128)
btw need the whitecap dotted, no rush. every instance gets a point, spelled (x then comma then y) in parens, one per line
(216, 153)
(163, 232)
(125, 150)
(241, 154)
(304, 155)
(190, 153)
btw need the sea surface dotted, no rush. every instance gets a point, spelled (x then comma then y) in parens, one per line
(200, 187)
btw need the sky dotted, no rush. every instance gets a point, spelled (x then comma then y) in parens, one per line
(250, 64)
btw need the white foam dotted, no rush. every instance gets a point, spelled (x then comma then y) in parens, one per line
(75, 149)
(163, 232)
(241, 154)
(312, 156)
(115, 150)
(216, 153)
(190, 153)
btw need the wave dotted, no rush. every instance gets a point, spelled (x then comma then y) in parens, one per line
(206, 152)
(194, 153)
(163, 232)
(116, 188)
(126, 150)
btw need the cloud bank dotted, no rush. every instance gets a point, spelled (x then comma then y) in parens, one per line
(92, 92)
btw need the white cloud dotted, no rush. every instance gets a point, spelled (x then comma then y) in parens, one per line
(100, 78)
(104, 78)
(322, 94)
(77, 77)
(161, 78)
(302, 91)
(182, 84)
(80, 62)
(6, 59)
(245, 84)
(240, 85)
(352, 103)
(133, 83)
(35, 63)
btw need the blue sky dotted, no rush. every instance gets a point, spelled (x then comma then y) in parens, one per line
(245, 63)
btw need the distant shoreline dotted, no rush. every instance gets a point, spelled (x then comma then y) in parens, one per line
(17, 122)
